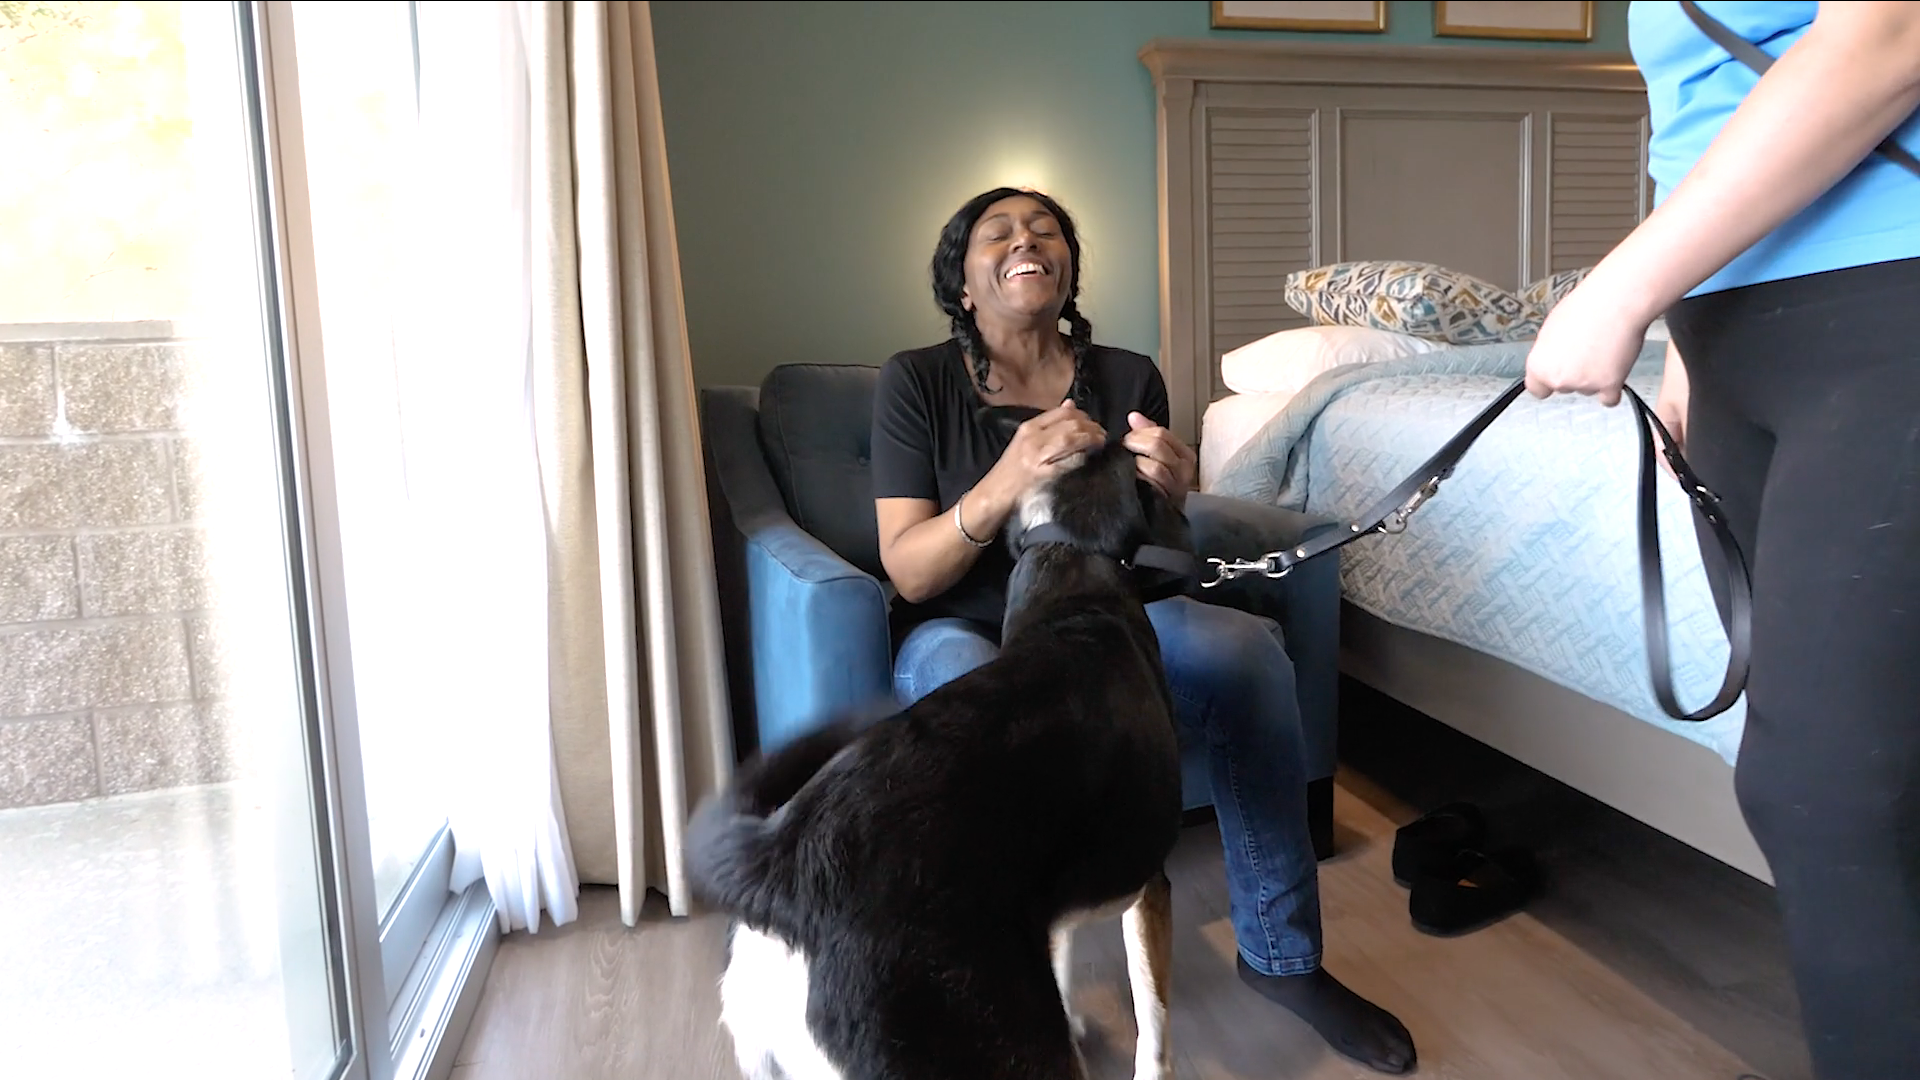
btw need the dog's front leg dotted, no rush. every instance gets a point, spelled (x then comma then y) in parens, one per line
(1063, 975)
(1149, 937)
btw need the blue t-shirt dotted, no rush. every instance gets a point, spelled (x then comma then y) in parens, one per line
(1693, 86)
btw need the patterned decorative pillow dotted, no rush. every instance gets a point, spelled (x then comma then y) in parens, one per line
(1412, 298)
(1550, 290)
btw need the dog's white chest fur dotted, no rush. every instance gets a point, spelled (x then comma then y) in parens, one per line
(763, 1003)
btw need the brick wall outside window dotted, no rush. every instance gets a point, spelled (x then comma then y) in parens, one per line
(109, 674)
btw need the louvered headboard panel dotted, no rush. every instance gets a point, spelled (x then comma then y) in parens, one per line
(1260, 187)
(1275, 157)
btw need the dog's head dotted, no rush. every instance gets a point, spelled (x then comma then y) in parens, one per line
(1098, 503)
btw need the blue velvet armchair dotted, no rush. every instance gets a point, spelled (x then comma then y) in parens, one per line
(805, 600)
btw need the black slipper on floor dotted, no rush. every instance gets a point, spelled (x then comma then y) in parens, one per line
(1476, 891)
(1429, 843)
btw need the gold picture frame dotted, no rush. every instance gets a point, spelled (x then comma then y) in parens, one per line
(1522, 20)
(1352, 16)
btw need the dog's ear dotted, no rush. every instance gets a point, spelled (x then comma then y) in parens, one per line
(1166, 526)
(1001, 421)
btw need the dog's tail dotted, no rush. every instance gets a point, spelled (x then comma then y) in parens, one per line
(729, 860)
(739, 858)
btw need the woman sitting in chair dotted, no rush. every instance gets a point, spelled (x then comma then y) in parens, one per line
(1006, 270)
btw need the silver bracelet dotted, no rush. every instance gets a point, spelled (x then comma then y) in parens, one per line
(958, 524)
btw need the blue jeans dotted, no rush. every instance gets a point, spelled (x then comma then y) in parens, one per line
(1232, 685)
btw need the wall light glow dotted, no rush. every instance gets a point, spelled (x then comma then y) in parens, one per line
(1021, 172)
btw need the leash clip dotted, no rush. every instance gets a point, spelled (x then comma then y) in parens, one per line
(1396, 522)
(1273, 564)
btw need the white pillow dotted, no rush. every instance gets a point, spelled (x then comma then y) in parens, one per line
(1285, 361)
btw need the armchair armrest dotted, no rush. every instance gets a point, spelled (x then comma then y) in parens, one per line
(1219, 520)
(1305, 603)
(814, 625)
(819, 632)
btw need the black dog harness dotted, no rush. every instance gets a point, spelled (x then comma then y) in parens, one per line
(1390, 514)
(1157, 572)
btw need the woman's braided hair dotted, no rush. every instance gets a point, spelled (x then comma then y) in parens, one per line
(950, 280)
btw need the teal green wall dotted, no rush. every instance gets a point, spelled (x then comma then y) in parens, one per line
(816, 149)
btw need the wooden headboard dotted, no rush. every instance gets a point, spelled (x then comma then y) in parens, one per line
(1274, 157)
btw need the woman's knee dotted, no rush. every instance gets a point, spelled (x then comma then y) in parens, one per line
(935, 653)
(1225, 654)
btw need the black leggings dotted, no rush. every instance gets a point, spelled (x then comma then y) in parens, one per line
(1805, 418)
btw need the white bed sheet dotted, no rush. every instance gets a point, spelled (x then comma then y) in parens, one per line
(1230, 422)
(1227, 425)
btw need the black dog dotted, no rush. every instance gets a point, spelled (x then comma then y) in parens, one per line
(898, 885)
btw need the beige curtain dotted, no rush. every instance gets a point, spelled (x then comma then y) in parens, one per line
(640, 722)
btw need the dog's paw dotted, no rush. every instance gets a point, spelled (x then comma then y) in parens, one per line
(1152, 1070)
(1152, 1062)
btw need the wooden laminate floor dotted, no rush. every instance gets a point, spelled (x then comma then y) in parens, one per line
(1643, 959)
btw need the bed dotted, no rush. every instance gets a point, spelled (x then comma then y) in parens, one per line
(1510, 607)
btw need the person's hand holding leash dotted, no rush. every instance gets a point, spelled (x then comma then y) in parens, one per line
(1164, 461)
(1587, 345)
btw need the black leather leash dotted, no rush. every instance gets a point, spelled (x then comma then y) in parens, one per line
(1390, 515)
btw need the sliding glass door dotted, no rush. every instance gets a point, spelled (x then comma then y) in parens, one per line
(172, 843)
(348, 106)
(224, 780)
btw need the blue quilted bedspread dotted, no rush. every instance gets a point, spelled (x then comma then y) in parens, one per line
(1528, 553)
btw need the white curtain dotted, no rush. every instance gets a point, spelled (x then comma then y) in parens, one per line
(564, 548)
(478, 534)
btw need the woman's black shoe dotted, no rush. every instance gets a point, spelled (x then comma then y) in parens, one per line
(1475, 891)
(1430, 843)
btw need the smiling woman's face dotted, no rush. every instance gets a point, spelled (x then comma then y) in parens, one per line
(1019, 269)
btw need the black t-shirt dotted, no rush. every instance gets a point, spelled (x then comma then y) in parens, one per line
(927, 445)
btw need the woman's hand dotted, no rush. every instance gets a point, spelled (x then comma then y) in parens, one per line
(1164, 461)
(1035, 454)
(1587, 345)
